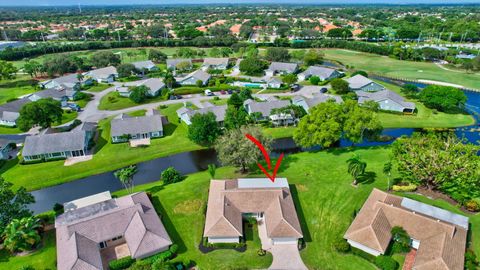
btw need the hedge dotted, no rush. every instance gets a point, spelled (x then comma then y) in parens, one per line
(122, 263)
(408, 188)
(386, 263)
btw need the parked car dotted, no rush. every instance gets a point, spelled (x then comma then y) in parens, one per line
(209, 92)
(230, 91)
(178, 97)
(223, 92)
(172, 97)
(295, 88)
(323, 90)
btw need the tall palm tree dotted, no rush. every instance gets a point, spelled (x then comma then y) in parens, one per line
(21, 234)
(387, 170)
(356, 167)
(125, 175)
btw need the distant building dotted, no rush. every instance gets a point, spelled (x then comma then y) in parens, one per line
(465, 56)
(274, 83)
(281, 68)
(308, 103)
(361, 83)
(9, 112)
(264, 108)
(215, 63)
(11, 44)
(192, 78)
(145, 65)
(103, 75)
(70, 81)
(172, 63)
(322, 73)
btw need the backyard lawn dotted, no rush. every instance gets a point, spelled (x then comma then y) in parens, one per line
(113, 101)
(35, 176)
(384, 65)
(98, 87)
(12, 89)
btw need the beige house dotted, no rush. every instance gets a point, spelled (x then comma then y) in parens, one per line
(271, 203)
(438, 235)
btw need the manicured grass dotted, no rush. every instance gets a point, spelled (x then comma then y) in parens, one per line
(18, 87)
(9, 130)
(279, 132)
(98, 87)
(69, 116)
(137, 113)
(217, 102)
(113, 101)
(107, 158)
(43, 258)
(83, 102)
(384, 65)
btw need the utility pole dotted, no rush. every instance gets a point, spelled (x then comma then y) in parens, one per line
(79, 8)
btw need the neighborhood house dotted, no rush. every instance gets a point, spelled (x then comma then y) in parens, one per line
(439, 236)
(145, 66)
(103, 75)
(194, 77)
(215, 63)
(281, 68)
(264, 109)
(9, 112)
(322, 73)
(308, 103)
(361, 83)
(70, 81)
(125, 128)
(186, 114)
(271, 203)
(154, 86)
(97, 229)
(387, 100)
(172, 63)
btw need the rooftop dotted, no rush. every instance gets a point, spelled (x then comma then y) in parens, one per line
(135, 125)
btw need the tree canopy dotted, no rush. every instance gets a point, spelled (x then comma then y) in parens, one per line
(443, 98)
(43, 112)
(277, 54)
(13, 204)
(7, 70)
(125, 70)
(105, 59)
(252, 66)
(204, 129)
(340, 86)
(139, 94)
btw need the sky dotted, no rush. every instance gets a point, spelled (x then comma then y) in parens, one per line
(160, 2)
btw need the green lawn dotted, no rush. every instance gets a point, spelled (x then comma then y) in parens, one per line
(217, 102)
(44, 258)
(66, 117)
(113, 101)
(324, 198)
(98, 87)
(11, 89)
(279, 132)
(107, 158)
(384, 65)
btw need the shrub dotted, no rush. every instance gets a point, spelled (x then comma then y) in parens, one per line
(122, 263)
(46, 218)
(405, 188)
(471, 262)
(261, 252)
(472, 205)
(162, 256)
(341, 245)
(386, 263)
(27, 267)
(173, 248)
(58, 209)
(401, 240)
(170, 175)
(314, 80)
(363, 254)
(360, 72)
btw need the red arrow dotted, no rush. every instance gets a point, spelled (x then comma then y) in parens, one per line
(267, 158)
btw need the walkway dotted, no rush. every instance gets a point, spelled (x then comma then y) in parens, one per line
(285, 256)
(409, 260)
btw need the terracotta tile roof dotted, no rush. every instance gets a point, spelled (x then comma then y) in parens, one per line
(227, 202)
(442, 244)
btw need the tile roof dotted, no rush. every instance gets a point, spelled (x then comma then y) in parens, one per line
(384, 95)
(10, 111)
(135, 125)
(442, 244)
(80, 231)
(227, 201)
(54, 143)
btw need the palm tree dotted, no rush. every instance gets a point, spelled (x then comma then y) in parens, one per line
(356, 167)
(80, 77)
(21, 234)
(387, 170)
(125, 175)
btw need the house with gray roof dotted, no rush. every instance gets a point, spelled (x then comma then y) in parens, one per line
(147, 65)
(322, 73)
(5, 148)
(61, 94)
(10, 111)
(103, 75)
(192, 78)
(56, 145)
(281, 68)
(274, 83)
(215, 63)
(69, 81)
(125, 128)
(388, 101)
(186, 114)
(361, 83)
(173, 62)
(99, 228)
(154, 85)
(264, 108)
(308, 103)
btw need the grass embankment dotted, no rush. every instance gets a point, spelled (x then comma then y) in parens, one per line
(113, 101)
(384, 65)
(108, 156)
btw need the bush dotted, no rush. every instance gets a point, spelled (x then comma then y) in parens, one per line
(471, 262)
(314, 80)
(170, 175)
(261, 252)
(173, 248)
(27, 267)
(363, 254)
(46, 218)
(162, 256)
(401, 240)
(360, 72)
(472, 205)
(386, 263)
(405, 188)
(58, 209)
(122, 263)
(341, 245)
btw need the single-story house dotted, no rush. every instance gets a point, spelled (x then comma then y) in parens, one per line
(282, 119)
(5, 148)
(61, 94)
(308, 103)
(274, 83)
(321, 72)
(465, 56)
(388, 100)
(125, 128)
(103, 75)
(281, 68)
(186, 114)
(215, 63)
(172, 63)
(56, 145)
(192, 78)
(95, 226)
(123, 91)
(154, 85)
(230, 201)
(439, 236)
(361, 83)
(145, 65)
(9, 112)
(69, 81)
(264, 108)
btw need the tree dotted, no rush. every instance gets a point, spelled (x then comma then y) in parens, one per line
(235, 117)
(13, 204)
(439, 161)
(443, 98)
(80, 77)
(170, 176)
(340, 86)
(476, 62)
(277, 54)
(359, 123)
(360, 72)
(235, 100)
(356, 167)
(184, 65)
(125, 176)
(289, 79)
(234, 149)
(43, 112)
(126, 70)
(315, 80)
(169, 80)
(313, 57)
(245, 94)
(21, 234)
(139, 94)
(212, 168)
(157, 56)
(252, 66)
(199, 83)
(339, 33)
(189, 33)
(105, 59)
(32, 68)
(387, 170)
(7, 70)
(58, 66)
(204, 129)
(410, 90)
